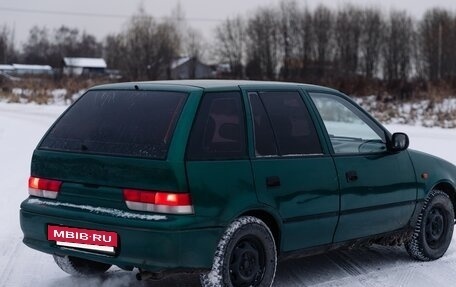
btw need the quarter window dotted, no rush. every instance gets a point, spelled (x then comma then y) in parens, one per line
(219, 128)
(349, 129)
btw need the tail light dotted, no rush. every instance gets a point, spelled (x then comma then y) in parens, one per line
(158, 201)
(42, 187)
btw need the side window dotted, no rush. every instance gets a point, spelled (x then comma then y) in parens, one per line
(219, 128)
(349, 129)
(292, 126)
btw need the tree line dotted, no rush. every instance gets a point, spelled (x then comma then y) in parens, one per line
(351, 48)
(356, 49)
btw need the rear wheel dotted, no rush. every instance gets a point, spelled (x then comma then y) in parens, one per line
(434, 228)
(246, 256)
(80, 267)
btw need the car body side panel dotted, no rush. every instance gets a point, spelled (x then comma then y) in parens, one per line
(383, 197)
(307, 198)
(437, 170)
(221, 190)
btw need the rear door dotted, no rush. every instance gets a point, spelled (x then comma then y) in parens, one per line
(293, 172)
(218, 168)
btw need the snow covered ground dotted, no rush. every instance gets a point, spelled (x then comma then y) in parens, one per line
(21, 127)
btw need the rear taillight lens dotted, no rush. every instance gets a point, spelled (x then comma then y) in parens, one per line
(42, 187)
(158, 201)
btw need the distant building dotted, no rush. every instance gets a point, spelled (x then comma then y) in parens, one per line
(190, 68)
(6, 69)
(222, 70)
(83, 66)
(24, 70)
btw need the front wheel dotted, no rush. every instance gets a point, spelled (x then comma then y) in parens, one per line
(434, 228)
(80, 267)
(246, 256)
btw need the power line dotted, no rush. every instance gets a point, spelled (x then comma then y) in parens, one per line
(86, 14)
(31, 11)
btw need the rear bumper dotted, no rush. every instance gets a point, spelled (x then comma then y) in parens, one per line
(142, 243)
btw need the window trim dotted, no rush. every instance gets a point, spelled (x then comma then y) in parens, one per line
(254, 140)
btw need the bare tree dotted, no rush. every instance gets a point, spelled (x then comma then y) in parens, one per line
(89, 46)
(437, 48)
(44, 47)
(114, 51)
(65, 42)
(7, 51)
(263, 45)
(193, 45)
(306, 41)
(323, 35)
(37, 48)
(347, 32)
(149, 47)
(289, 29)
(372, 27)
(230, 44)
(398, 51)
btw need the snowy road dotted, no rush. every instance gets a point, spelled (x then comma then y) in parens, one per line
(21, 127)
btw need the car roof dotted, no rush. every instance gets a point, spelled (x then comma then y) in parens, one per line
(210, 85)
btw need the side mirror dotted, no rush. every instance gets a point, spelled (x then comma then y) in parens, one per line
(399, 142)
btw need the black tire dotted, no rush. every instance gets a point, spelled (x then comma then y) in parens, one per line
(434, 228)
(246, 256)
(80, 267)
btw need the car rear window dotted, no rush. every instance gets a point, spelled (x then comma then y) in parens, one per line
(129, 123)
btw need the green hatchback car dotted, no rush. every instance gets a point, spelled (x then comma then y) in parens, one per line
(224, 178)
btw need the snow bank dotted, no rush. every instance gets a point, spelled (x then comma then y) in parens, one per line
(426, 113)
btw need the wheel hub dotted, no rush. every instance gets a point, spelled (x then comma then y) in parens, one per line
(435, 227)
(246, 267)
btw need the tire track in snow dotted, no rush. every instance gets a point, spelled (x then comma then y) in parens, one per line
(346, 264)
(8, 268)
(405, 277)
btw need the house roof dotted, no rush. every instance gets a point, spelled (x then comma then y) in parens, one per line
(180, 61)
(85, 62)
(32, 67)
(6, 67)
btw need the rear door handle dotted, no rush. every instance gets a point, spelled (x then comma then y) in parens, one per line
(351, 176)
(272, 181)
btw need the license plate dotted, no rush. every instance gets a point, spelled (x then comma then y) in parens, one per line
(89, 239)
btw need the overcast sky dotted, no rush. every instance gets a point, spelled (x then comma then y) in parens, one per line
(101, 17)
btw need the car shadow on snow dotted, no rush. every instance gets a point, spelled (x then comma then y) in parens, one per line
(308, 271)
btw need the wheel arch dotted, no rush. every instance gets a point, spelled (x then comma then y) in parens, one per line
(449, 189)
(271, 221)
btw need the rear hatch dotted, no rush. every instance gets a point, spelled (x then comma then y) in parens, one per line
(110, 142)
